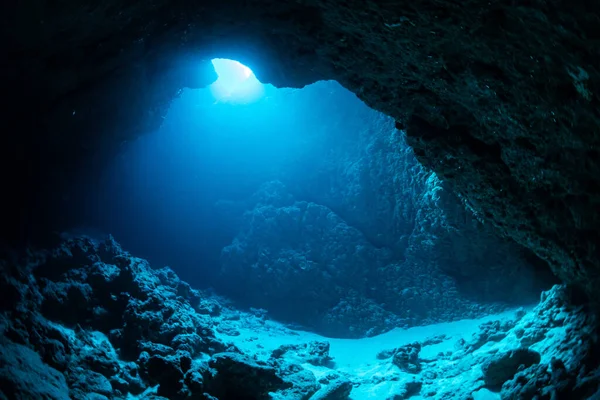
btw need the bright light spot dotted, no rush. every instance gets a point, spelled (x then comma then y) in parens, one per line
(236, 82)
(247, 71)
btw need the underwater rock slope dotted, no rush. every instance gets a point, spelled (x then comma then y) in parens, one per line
(500, 99)
(304, 263)
(357, 223)
(88, 320)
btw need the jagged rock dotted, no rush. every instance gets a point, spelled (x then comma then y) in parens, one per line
(549, 381)
(86, 360)
(503, 366)
(168, 372)
(407, 358)
(530, 382)
(551, 377)
(210, 307)
(96, 353)
(383, 191)
(304, 385)
(23, 375)
(285, 246)
(227, 330)
(84, 383)
(315, 352)
(293, 246)
(69, 301)
(194, 378)
(488, 331)
(157, 326)
(192, 342)
(182, 289)
(128, 381)
(235, 376)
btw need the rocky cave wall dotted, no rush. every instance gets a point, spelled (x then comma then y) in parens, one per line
(500, 100)
(349, 236)
(353, 237)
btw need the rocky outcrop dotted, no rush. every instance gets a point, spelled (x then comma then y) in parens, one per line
(24, 375)
(500, 101)
(143, 332)
(362, 169)
(338, 390)
(504, 366)
(88, 319)
(315, 353)
(238, 377)
(299, 260)
(555, 362)
(407, 358)
(305, 264)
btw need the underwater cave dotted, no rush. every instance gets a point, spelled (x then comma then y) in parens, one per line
(301, 200)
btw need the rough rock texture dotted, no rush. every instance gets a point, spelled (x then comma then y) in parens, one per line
(88, 320)
(239, 377)
(554, 360)
(407, 358)
(503, 367)
(299, 260)
(548, 352)
(23, 374)
(315, 353)
(305, 264)
(359, 166)
(499, 99)
(355, 237)
(144, 333)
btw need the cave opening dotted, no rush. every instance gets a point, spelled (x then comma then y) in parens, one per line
(235, 83)
(303, 206)
(308, 204)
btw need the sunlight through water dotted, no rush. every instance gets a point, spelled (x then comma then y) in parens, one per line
(235, 83)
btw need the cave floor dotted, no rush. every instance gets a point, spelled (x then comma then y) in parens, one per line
(164, 340)
(448, 368)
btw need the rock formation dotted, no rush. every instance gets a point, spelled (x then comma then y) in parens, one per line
(500, 100)
(88, 320)
(305, 264)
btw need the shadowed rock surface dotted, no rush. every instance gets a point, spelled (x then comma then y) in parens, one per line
(499, 99)
(305, 264)
(134, 329)
(143, 333)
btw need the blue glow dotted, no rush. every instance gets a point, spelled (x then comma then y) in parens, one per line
(236, 83)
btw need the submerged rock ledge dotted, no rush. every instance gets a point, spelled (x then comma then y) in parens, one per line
(88, 320)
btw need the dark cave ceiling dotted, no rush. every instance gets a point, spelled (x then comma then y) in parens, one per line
(500, 98)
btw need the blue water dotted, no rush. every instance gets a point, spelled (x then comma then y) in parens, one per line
(159, 196)
(308, 204)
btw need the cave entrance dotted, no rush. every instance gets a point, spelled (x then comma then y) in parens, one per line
(236, 82)
(307, 203)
